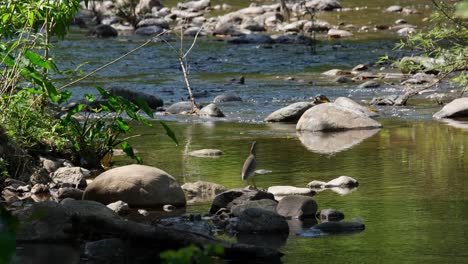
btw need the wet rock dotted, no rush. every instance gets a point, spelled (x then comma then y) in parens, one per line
(251, 39)
(265, 204)
(297, 206)
(352, 105)
(160, 22)
(146, 6)
(292, 39)
(201, 191)
(68, 192)
(149, 30)
(342, 181)
(194, 5)
(151, 100)
(71, 175)
(137, 185)
(387, 100)
(406, 31)
(316, 184)
(103, 31)
(169, 208)
(233, 197)
(342, 79)
(252, 11)
(339, 33)
(50, 165)
(332, 117)
(206, 153)
(317, 25)
(394, 9)
(401, 21)
(420, 78)
(40, 176)
(339, 227)
(211, 110)
(105, 250)
(143, 212)
(419, 63)
(369, 84)
(456, 108)
(335, 72)
(39, 188)
(360, 67)
(290, 113)
(323, 5)
(256, 220)
(119, 207)
(182, 14)
(226, 98)
(328, 215)
(13, 182)
(281, 191)
(181, 108)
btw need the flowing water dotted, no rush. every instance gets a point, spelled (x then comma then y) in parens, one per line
(412, 172)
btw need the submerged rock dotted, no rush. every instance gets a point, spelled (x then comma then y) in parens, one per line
(206, 153)
(256, 220)
(339, 227)
(297, 206)
(180, 108)
(290, 113)
(456, 108)
(137, 185)
(226, 98)
(342, 181)
(201, 191)
(103, 31)
(369, 84)
(328, 215)
(211, 110)
(233, 197)
(279, 191)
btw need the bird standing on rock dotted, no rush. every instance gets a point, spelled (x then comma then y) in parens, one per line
(250, 164)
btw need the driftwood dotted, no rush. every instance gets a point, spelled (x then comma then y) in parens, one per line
(164, 238)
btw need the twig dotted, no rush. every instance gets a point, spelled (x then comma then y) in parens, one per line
(112, 62)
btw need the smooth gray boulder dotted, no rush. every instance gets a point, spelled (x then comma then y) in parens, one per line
(68, 192)
(206, 153)
(342, 181)
(279, 191)
(369, 84)
(297, 206)
(265, 204)
(350, 104)
(226, 98)
(181, 108)
(332, 117)
(256, 220)
(290, 113)
(211, 110)
(194, 5)
(71, 175)
(137, 185)
(456, 108)
(323, 5)
(339, 227)
(233, 197)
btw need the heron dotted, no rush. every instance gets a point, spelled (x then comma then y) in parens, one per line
(250, 164)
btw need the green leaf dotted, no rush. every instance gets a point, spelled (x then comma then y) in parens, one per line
(51, 90)
(170, 133)
(36, 59)
(123, 126)
(144, 106)
(90, 98)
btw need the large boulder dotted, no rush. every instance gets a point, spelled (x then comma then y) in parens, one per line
(265, 204)
(297, 206)
(71, 175)
(233, 197)
(456, 108)
(350, 104)
(332, 117)
(290, 113)
(211, 110)
(256, 220)
(181, 108)
(323, 5)
(279, 191)
(201, 191)
(137, 185)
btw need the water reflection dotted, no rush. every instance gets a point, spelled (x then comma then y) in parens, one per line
(457, 123)
(333, 142)
(47, 254)
(263, 240)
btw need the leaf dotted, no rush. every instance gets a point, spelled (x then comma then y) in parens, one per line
(170, 133)
(123, 126)
(36, 59)
(144, 106)
(90, 98)
(51, 90)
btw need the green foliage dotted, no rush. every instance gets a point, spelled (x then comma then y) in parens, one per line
(3, 168)
(8, 227)
(446, 41)
(192, 254)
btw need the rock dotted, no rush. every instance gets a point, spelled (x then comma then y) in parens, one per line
(342, 79)
(289, 190)
(137, 185)
(323, 5)
(292, 39)
(334, 72)
(145, 6)
(106, 250)
(360, 67)
(350, 104)
(119, 207)
(201, 191)
(151, 100)
(251, 39)
(206, 153)
(394, 9)
(67, 192)
(290, 113)
(329, 215)
(415, 64)
(316, 184)
(406, 31)
(39, 188)
(256, 220)
(456, 108)
(339, 227)
(160, 22)
(194, 5)
(50, 165)
(252, 11)
(169, 208)
(233, 197)
(143, 212)
(103, 31)
(369, 84)
(40, 176)
(149, 30)
(342, 181)
(297, 206)
(316, 25)
(401, 21)
(180, 108)
(332, 117)
(72, 175)
(265, 204)
(211, 110)
(226, 98)
(339, 33)
(387, 100)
